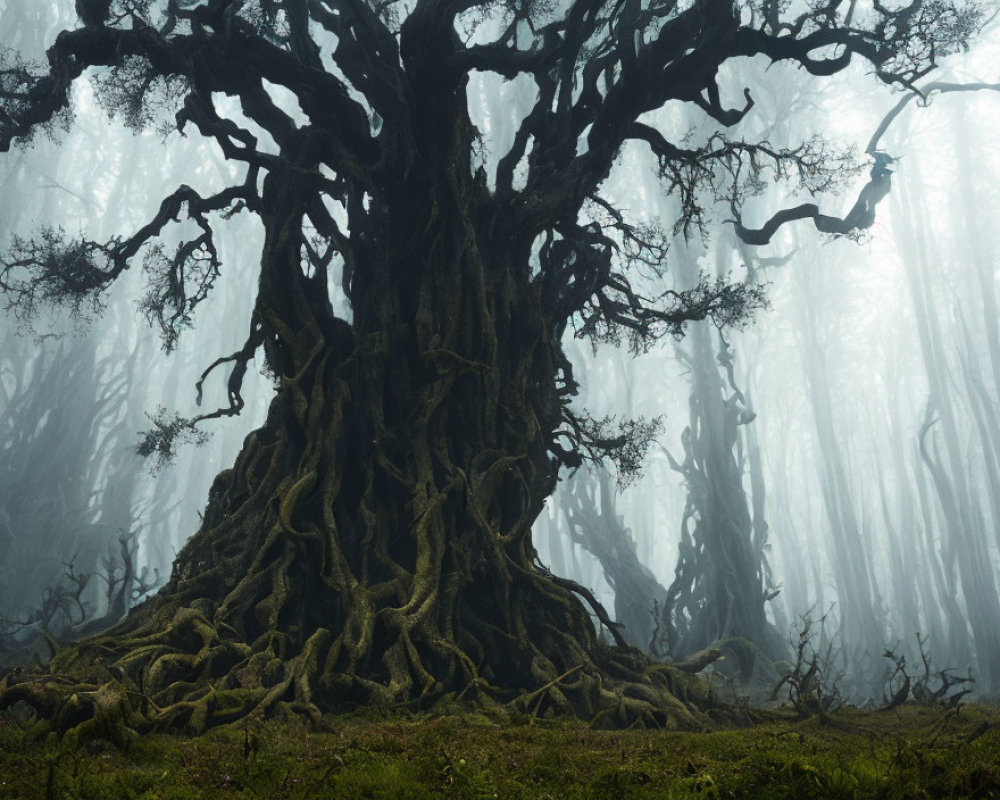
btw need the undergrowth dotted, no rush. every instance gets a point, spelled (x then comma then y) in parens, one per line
(909, 752)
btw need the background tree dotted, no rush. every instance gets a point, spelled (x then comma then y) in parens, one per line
(372, 544)
(878, 330)
(594, 524)
(721, 582)
(69, 478)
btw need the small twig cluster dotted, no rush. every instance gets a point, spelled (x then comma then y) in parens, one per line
(812, 683)
(64, 613)
(929, 687)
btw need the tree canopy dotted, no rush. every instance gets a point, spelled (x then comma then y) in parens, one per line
(382, 85)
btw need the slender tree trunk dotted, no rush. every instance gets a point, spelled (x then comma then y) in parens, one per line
(857, 591)
(959, 503)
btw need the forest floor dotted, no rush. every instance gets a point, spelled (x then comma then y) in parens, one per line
(910, 752)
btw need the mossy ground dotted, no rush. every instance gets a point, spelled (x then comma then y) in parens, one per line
(914, 752)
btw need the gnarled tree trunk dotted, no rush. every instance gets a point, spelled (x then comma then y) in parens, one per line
(371, 544)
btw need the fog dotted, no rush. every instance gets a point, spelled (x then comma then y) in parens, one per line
(840, 456)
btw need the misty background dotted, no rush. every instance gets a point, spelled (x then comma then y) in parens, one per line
(852, 431)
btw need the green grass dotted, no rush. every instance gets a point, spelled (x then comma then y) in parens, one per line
(914, 752)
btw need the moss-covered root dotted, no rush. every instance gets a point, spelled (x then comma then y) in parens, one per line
(106, 705)
(184, 677)
(83, 708)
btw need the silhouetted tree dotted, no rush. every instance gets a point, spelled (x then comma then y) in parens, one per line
(594, 524)
(721, 586)
(371, 544)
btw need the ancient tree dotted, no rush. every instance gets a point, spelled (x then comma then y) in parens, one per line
(371, 544)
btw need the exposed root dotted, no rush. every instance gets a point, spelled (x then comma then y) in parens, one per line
(187, 677)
